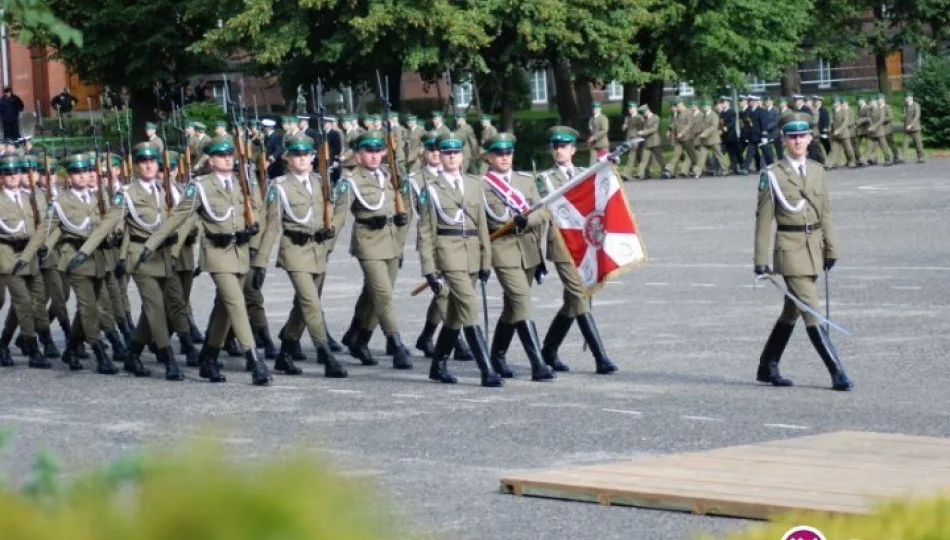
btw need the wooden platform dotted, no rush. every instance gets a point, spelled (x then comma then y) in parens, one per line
(838, 473)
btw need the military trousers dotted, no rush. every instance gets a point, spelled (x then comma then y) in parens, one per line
(124, 292)
(704, 152)
(86, 321)
(816, 151)
(154, 316)
(295, 325)
(516, 303)
(37, 289)
(875, 145)
(21, 300)
(918, 144)
(114, 305)
(576, 300)
(634, 156)
(682, 150)
(892, 146)
(841, 152)
(177, 292)
(307, 301)
(379, 276)
(857, 143)
(438, 306)
(461, 299)
(229, 312)
(56, 293)
(805, 289)
(254, 301)
(651, 155)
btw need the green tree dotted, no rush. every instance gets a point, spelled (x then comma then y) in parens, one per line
(33, 19)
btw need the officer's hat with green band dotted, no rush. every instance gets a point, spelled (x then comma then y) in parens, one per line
(31, 162)
(189, 124)
(116, 160)
(288, 120)
(221, 124)
(10, 164)
(436, 114)
(449, 141)
(299, 143)
(76, 163)
(151, 125)
(375, 118)
(632, 104)
(501, 142)
(369, 140)
(428, 139)
(222, 144)
(562, 135)
(411, 118)
(596, 105)
(41, 166)
(485, 117)
(144, 151)
(200, 126)
(795, 124)
(172, 160)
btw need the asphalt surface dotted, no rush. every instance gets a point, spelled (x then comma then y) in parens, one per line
(686, 331)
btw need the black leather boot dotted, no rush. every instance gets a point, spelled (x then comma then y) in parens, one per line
(332, 369)
(172, 371)
(37, 360)
(499, 348)
(5, 339)
(349, 337)
(332, 344)
(270, 350)
(528, 335)
(70, 356)
(588, 328)
(193, 331)
(284, 361)
(6, 360)
(476, 341)
(260, 376)
(20, 344)
(552, 342)
(391, 349)
(296, 352)
(81, 352)
(188, 349)
(232, 346)
(424, 341)
(134, 364)
(104, 365)
(462, 352)
(124, 329)
(49, 345)
(402, 358)
(119, 351)
(208, 358)
(819, 338)
(360, 348)
(153, 348)
(439, 370)
(772, 354)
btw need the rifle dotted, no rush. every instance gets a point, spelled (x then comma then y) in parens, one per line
(242, 179)
(113, 181)
(448, 80)
(100, 200)
(324, 157)
(128, 140)
(391, 152)
(36, 212)
(167, 177)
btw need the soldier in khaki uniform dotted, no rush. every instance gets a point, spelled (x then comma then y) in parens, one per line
(70, 220)
(795, 195)
(295, 205)
(19, 243)
(632, 125)
(912, 127)
(576, 304)
(841, 135)
(414, 134)
(152, 137)
(141, 207)
(888, 129)
(218, 201)
(470, 144)
(516, 255)
(863, 119)
(196, 144)
(454, 250)
(488, 131)
(652, 144)
(709, 141)
(56, 287)
(376, 243)
(876, 136)
(682, 138)
(599, 140)
(437, 124)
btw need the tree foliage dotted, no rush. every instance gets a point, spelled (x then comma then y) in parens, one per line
(931, 87)
(32, 19)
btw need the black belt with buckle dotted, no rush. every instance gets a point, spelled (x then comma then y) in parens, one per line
(169, 241)
(807, 229)
(18, 244)
(375, 222)
(464, 233)
(223, 240)
(302, 238)
(192, 236)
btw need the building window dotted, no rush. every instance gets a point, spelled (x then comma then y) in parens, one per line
(756, 84)
(686, 90)
(824, 73)
(463, 95)
(614, 91)
(539, 87)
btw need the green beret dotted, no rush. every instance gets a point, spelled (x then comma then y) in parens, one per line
(76, 163)
(562, 134)
(436, 114)
(144, 151)
(372, 140)
(501, 141)
(151, 125)
(200, 126)
(485, 117)
(795, 124)
(449, 141)
(222, 144)
(299, 142)
(595, 105)
(411, 118)
(632, 104)
(428, 138)
(10, 162)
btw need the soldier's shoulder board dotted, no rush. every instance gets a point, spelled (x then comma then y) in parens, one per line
(272, 194)
(278, 180)
(764, 180)
(818, 166)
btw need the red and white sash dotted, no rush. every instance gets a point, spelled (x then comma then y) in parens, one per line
(512, 197)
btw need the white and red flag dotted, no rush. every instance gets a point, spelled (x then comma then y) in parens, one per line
(596, 223)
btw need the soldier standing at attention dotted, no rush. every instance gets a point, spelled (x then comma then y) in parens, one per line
(470, 143)
(632, 125)
(599, 140)
(218, 201)
(455, 250)
(652, 145)
(516, 255)
(773, 121)
(728, 129)
(414, 134)
(437, 124)
(576, 304)
(912, 126)
(295, 205)
(824, 126)
(376, 244)
(488, 131)
(795, 195)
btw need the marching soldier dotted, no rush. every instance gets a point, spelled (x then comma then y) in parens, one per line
(728, 129)
(652, 145)
(888, 129)
(632, 125)
(152, 137)
(576, 304)
(454, 250)
(863, 119)
(599, 140)
(488, 131)
(437, 124)
(794, 194)
(295, 205)
(470, 143)
(773, 121)
(841, 135)
(912, 127)
(414, 135)
(682, 139)
(218, 201)
(876, 133)
(824, 126)
(708, 140)
(516, 255)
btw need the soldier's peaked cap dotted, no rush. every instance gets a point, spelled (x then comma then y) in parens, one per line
(222, 144)
(795, 124)
(562, 134)
(370, 140)
(501, 141)
(449, 141)
(299, 142)
(145, 151)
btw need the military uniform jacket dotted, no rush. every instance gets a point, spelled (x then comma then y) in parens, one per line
(651, 131)
(876, 128)
(887, 119)
(18, 225)
(414, 143)
(632, 125)
(514, 250)
(824, 122)
(418, 183)
(157, 141)
(681, 125)
(143, 213)
(709, 129)
(185, 248)
(220, 212)
(291, 207)
(696, 120)
(795, 202)
(488, 133)
(728, 125)
(772, 121)
(69, 223)
(912, 117)
(864, 121)
(841, 123)
(549, 181)
(52, 257)
(470, 146)
(372, 197)
(443, 208)
(599, 130)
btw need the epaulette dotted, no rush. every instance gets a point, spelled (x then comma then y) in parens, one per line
(279, 179)
(814, 163)
(526, 174)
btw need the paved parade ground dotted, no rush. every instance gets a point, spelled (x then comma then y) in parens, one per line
(686, 331)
